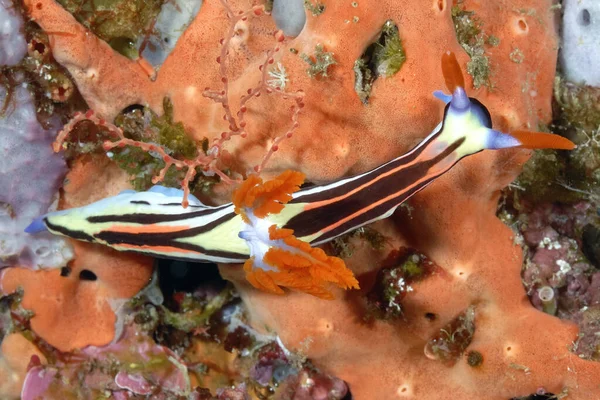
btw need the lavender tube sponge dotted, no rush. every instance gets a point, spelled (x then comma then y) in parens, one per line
(12, 42)
(30, 176)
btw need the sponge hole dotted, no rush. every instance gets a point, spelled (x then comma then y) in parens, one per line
(523, 25)
(440, 5)
(584, 18)
(87, 275)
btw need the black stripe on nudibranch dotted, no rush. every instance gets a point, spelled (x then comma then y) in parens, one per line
(147, 218)
(402, 184)
(68, 232)
(189, 205)
(372, 214)
(482, 112)
(170, 239)
(160, 238)
(140, 202)
(365, 179)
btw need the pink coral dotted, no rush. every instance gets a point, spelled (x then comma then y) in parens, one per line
(16, 353)
(148, 369)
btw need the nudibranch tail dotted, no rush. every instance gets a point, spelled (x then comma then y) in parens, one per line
(469, 121)
(277, 258)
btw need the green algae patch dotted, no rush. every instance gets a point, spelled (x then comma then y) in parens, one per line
(470, 36)
(579, 119)
(344, 246)
(120, 23)
(384, 57)
(268, 5)
(567, 176)
(319, 63)
(193, 313)
(544, 178)
(316, 8)
(402, 268)
(579, 104)
(142, 125)
(449, 344)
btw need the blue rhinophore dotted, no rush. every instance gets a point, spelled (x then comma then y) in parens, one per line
(446, 98)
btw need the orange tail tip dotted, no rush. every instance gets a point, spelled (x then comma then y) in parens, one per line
(452, 72)
(539, 140)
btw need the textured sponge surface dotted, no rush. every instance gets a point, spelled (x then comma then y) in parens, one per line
(30, 175)
(580, 54)
(12, 42)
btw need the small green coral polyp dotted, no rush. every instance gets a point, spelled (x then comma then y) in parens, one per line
(452, 340)
(384, 57)
(474, 358)
(317, 8)
(320, 63)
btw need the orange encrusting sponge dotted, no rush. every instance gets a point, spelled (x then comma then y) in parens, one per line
(290, 262)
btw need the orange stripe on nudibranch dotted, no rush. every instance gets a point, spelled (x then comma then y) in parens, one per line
(318, 204)
(369, 207)
(152, 228)
(157, 249)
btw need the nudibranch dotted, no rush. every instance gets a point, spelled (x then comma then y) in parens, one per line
(272, 226)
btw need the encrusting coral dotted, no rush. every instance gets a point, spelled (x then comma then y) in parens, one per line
(75, 306)
(512, 349)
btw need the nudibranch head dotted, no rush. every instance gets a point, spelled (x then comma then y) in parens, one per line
(147, 222)
(277, 258)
